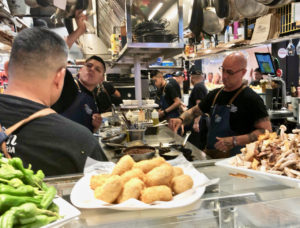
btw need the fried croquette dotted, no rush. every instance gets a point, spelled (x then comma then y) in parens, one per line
(110, 190)
(123, 165)
(177, 171)
(131, 174)
(161, 175)
(156, 193)
(98, 180)
(148, 165)
(182, 183)
(131, 189)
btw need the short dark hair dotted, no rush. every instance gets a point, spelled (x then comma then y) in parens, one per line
(196, 72)
(153, 73)
(97, 58)
(36, 50)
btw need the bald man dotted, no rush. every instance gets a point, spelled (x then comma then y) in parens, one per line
(238, 114)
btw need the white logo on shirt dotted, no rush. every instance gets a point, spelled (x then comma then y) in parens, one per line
(88, 110)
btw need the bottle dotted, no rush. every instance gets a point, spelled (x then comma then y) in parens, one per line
(293, 90)
(154, 117)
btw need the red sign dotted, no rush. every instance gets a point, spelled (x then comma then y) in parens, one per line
(278, 72)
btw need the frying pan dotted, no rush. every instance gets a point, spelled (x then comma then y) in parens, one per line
(222, 8)
(251, 8)
(274, 3)
(139, 153)
(233, 14)
(212, 24)
(196, 21)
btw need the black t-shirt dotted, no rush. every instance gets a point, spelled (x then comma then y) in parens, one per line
(250, 108)
(170, 93)
(175, 84)
(52, 143)
(198, 93)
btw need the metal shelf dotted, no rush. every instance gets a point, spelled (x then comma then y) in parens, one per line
(165, 67)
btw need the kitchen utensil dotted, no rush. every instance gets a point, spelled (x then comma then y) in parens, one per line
(212, 24)
(196, 20)
(187, 135)
(274, 3)
(136, 134)
(139, 153)
(114, 138)
(233, 14)
(251, 8)
(222, 8)
(162, 123)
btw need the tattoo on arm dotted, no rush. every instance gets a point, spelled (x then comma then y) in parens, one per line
(252, 137)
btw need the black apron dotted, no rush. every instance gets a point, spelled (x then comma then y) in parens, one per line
(82, 109)
(220, 127)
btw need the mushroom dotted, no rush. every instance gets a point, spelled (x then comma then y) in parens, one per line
(282, 130)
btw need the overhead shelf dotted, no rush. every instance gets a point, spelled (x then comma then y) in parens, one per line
(148, 52)
(242, 44)
(165, 67)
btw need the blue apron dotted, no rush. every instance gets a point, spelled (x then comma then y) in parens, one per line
(220, 126)
(82, 109)
(163, 104)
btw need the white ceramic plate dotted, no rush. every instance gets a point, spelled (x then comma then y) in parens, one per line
(67, 210)
(83, 197)
(293, 182)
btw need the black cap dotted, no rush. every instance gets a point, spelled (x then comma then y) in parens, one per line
(195, 72)
(177, 74)
(97, 58)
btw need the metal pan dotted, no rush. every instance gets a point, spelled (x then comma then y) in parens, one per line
(233, 14)
(196, 20)
(250, 8)
(222, 8)
(212, 24)
(117, 139)
(139, 153)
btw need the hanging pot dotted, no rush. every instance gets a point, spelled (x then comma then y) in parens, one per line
(251, 8)
(196, 21)
(212, 24)
(278, 3)
(233, 14)
(222, 8)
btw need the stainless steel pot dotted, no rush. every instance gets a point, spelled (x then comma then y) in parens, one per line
(251, 8)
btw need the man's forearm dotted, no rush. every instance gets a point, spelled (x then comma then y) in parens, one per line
(189, 115)
(242, 140)
(173, 106)
(70, 40)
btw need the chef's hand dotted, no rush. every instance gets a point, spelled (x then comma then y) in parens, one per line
(175, 123)
(224, 144)
(96, 121)
(161, 113)
(80, 17)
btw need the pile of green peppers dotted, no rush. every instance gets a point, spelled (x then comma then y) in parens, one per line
(25, 200)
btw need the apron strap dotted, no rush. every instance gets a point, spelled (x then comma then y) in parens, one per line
(215, 99)
(5, 133)
(236, 94)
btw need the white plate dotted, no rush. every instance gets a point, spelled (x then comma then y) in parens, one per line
(67, 210)
(83, 197)
(293, 182)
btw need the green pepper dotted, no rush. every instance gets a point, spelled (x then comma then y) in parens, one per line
(53, 207)
(15, 182)
(40, 220)
(48, 197)
(25, 190)
(7, 219)
(8, 201)
(8, 172)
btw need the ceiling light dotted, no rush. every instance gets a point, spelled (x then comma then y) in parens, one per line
(152, 14)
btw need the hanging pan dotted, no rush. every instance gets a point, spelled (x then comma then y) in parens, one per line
(233, 14)
(222, 8)
(251, 8)
(212, 24)
(196, 21)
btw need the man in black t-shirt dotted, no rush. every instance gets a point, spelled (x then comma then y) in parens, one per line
(238, 115)
(77, 101)
(168, 99)
(51, 143)
(199, 91)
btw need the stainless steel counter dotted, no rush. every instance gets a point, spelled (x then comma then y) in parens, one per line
(233, 202)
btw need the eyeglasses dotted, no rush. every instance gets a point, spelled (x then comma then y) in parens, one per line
(229, 72)
(97, 68)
